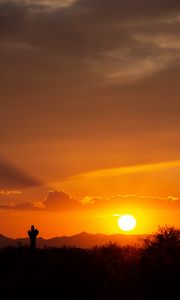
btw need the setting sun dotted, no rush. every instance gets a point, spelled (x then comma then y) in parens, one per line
(127, 222)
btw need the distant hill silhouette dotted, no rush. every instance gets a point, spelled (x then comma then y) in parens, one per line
(82, 240)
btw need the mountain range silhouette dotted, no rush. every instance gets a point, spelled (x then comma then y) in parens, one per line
(82, 240)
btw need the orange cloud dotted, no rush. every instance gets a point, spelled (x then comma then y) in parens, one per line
(62, 202)
(10, 192)
(127, 170)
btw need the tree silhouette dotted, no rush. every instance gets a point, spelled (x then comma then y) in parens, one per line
(161, 252)
(167, 238)
(32, 235)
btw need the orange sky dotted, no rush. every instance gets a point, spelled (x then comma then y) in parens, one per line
(89, 99)
(50, 224)
(94, 203)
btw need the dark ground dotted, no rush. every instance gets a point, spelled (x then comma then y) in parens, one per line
(107, 272)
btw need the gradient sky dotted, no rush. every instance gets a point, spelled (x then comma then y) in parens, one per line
(89, 105)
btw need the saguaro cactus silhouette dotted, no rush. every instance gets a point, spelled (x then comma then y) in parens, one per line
(32, 236)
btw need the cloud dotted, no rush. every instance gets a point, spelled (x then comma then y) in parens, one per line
(111, 70)
(55, 201)
(109, 39)
(39, 205)
(119, 202)
(12, 178)
(26, 206)
(59, 201)
(42, 3)
(127, 170)
(10, 192)
(90, 44)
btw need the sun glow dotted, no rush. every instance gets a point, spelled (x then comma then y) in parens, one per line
(127, 222)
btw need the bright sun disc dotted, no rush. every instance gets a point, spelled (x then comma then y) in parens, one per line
(127, 222)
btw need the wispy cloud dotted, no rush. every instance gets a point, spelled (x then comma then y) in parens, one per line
(54, 4)
(10, 192)
(26, 206)
(131, 50)
(127, 170)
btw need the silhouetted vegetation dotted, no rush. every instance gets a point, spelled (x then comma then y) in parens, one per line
(33, 233)
(149, 271)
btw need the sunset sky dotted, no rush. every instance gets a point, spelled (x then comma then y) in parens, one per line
(89, 115)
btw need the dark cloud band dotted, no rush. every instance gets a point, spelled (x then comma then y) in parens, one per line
(12, 177)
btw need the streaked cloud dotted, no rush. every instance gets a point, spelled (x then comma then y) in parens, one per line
(127, 170)
(27, 206)
(54, 4)
(10, 192)
(12, 177)
(131, 50)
